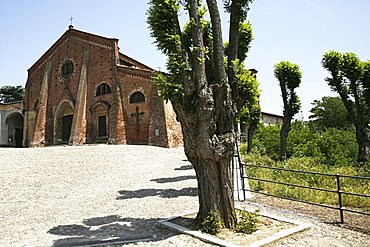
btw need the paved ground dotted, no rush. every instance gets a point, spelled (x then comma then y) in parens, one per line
(59, 196)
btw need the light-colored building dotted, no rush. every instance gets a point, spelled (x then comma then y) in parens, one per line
(271, 119)
(11, 124)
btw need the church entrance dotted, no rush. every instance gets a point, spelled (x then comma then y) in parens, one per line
(66, 127)
(100, 117)
(139, 128)
(15, 129)
(63, 122)
(102, 126)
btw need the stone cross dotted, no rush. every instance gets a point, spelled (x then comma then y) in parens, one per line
(137, 114)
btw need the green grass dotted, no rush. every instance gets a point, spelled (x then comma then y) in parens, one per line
(359, 186)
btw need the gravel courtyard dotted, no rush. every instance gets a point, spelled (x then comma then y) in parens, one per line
(58, 195)
(84, 195)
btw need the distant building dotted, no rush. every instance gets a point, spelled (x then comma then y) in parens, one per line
(11, 124)
(271, 119)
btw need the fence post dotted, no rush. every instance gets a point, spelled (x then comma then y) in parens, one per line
(241, 170)
(242, 178)
(337, 176)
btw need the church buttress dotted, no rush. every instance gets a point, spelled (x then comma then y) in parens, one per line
(38, 138)
(78, 131)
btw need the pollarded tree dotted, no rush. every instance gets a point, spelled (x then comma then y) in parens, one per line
(250, 113)
(350, 78)
(204, 92)
(289, 77)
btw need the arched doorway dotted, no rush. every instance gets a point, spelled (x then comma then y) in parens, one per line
(15, 129)
(63, 122)
(137, 126)
(100, 115)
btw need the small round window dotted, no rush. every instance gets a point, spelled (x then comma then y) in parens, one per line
(67, 69)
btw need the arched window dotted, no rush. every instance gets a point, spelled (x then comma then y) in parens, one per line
(103, 88)
(137, 97)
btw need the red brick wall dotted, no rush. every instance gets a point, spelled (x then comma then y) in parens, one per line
(101, 67)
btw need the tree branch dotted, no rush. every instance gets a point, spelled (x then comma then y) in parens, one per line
(218, 51)
(199, 72)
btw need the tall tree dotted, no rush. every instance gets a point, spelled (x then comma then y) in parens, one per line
(205, 94)
(250, 113)
(10, 94)
(289, 77)
(329, 112)
(350, 78)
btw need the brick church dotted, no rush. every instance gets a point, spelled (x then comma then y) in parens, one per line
(83, 90)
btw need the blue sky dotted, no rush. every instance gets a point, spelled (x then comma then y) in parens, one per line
(296, 30)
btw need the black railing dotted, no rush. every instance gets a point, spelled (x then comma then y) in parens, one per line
(338, 190)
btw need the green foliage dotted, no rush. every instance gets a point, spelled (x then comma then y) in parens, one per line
(247, 83)
(332, 147)
(338, 147)
(247, 222)
(318, 181)
(212, 223)
(244, 4)
(267, 141)
(167, 86)
(244, 41)
(303, 142)
(289, 77)
(350, 77)
(329, 112)
(10, 94)
(163, 24)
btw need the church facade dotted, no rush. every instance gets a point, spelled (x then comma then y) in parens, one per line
(83, 90)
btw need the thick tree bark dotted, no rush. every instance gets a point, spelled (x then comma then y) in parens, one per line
(211, 160)
(215, 190)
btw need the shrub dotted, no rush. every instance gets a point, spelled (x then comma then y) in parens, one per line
(360, 186)
(247, 222)
(332, 147)
(267, 141)
(212, 223)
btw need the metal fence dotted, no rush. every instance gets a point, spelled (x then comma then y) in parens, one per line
(337, 177)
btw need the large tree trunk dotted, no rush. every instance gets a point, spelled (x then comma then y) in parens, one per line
(215, 190)
(211, 155)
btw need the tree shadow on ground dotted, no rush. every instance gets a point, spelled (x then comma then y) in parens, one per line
(164, 193)
(174, 179)
(183, 168)
(109, 230)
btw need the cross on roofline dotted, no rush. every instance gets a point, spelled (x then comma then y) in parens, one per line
(71, 20)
